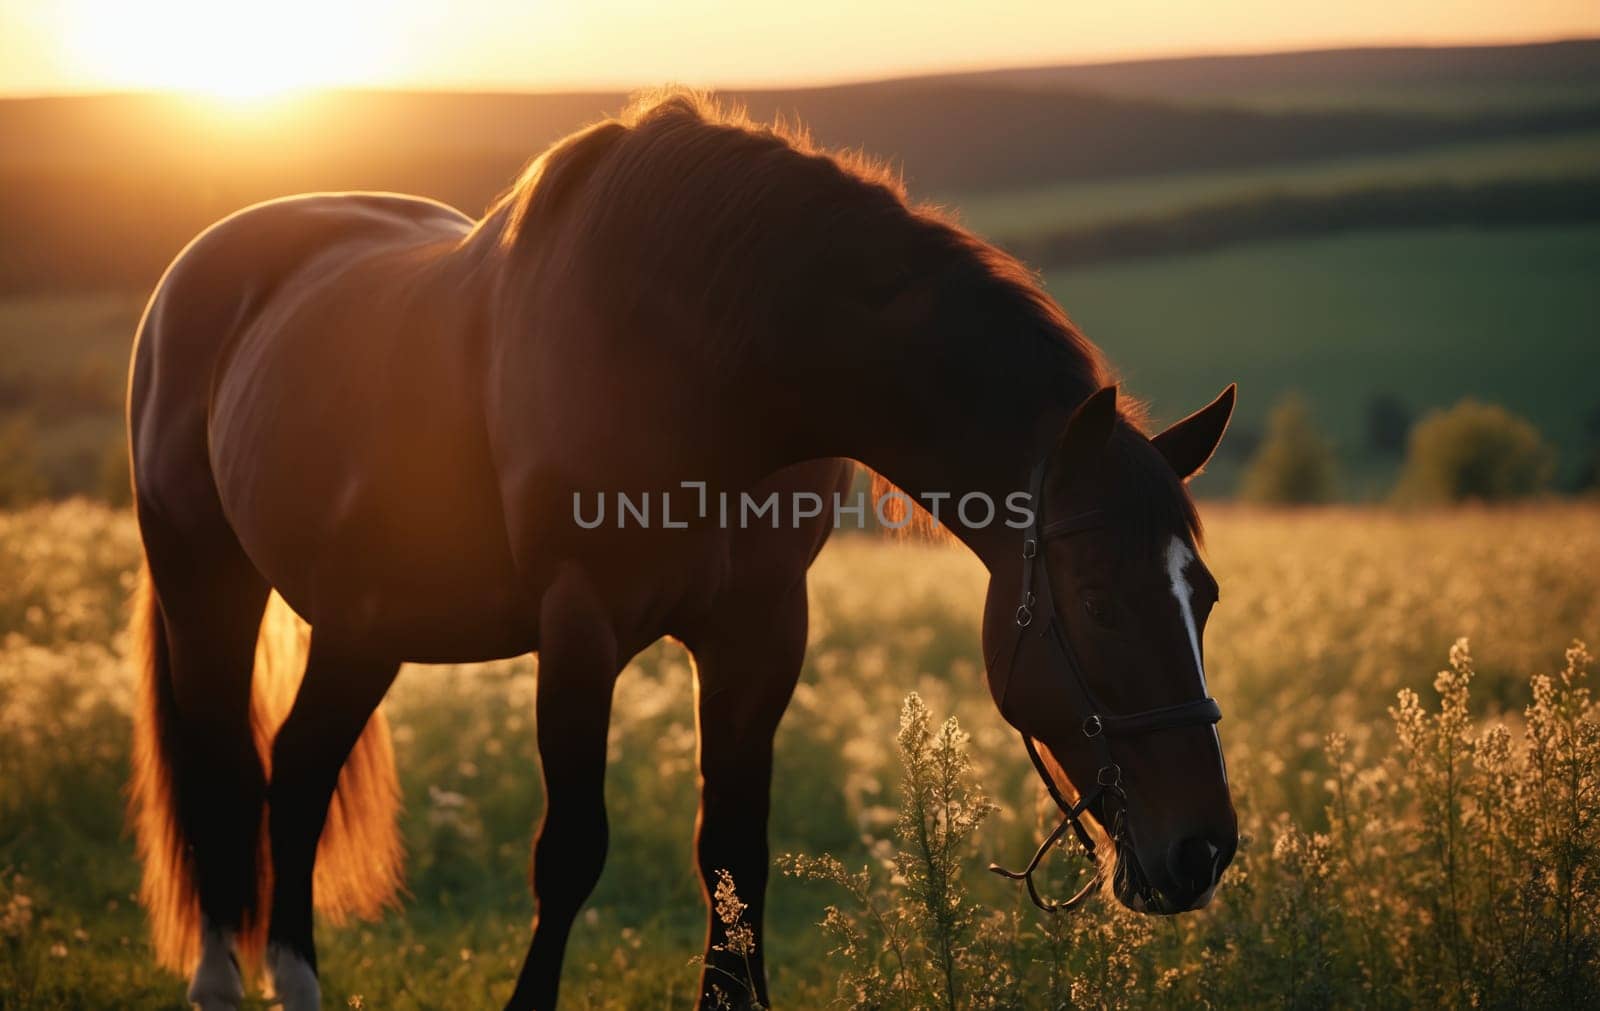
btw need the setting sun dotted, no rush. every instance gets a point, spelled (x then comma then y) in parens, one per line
(240, 48)
(226, 50)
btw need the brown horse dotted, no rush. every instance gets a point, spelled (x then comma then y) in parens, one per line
(399, 419)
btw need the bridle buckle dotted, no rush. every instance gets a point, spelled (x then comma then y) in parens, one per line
(1093, 726)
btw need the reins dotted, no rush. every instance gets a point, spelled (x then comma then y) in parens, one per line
(1098, 726)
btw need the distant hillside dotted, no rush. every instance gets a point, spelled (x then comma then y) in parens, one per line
(102, 191)
(1466, 78)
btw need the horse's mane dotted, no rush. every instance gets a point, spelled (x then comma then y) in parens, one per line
(761, 219)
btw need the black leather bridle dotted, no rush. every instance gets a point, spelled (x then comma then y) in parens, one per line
(1037, 623)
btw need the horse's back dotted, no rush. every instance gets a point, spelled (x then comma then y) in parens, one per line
(310, 381)
(212, 290)
(224, 276)
(300, 378)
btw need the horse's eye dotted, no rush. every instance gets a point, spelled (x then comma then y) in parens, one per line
(1100, 610)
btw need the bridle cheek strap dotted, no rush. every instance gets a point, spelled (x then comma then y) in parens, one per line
(1098, 726)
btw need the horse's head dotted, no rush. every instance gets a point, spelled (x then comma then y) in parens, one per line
(1094, 651)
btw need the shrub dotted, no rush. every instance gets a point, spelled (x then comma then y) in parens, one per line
(1474, 451)
(1294, 465)
(1388, 423)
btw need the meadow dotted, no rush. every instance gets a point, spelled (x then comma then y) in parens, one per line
(1428, 316)
(1325, 616)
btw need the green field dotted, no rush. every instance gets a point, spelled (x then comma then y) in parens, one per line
(1029, 211)
(1324, 615)
(1509, 316)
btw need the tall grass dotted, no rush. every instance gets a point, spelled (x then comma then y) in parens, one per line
(1459, 866)
(916, 939)
(1326, 615)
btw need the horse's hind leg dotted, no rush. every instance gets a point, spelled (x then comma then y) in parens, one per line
(208, 606)
(340, 691)
(747, 664)
(578, 662)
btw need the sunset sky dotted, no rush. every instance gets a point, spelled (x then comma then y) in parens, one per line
(231, 48)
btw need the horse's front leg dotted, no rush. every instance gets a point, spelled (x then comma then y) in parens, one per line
(747, 663)
(577, 671)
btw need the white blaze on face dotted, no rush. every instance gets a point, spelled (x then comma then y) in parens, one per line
(1179, 556)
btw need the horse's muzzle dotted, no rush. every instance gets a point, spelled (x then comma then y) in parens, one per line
(1186, 881)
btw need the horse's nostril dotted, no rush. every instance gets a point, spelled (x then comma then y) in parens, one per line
(1193, 862)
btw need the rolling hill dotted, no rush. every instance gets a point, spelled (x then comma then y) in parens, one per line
(102, 190)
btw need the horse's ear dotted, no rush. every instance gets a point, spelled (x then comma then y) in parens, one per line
(1089, 427)
(1188, 444)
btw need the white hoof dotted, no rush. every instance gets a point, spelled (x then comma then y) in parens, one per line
(294, 985)
(216, 985)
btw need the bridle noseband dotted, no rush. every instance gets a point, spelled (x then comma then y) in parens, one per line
(1099, 727)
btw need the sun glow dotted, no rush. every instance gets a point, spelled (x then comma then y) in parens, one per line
(224, 48)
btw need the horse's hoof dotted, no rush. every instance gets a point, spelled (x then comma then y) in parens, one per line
(215, 999)
(294, 984)
(216, 985)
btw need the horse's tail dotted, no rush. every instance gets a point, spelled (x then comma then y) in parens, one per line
(168, 886)
(359, 856)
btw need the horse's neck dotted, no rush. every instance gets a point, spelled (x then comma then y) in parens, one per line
(928, 429)
(970, 484)
(887, 396)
